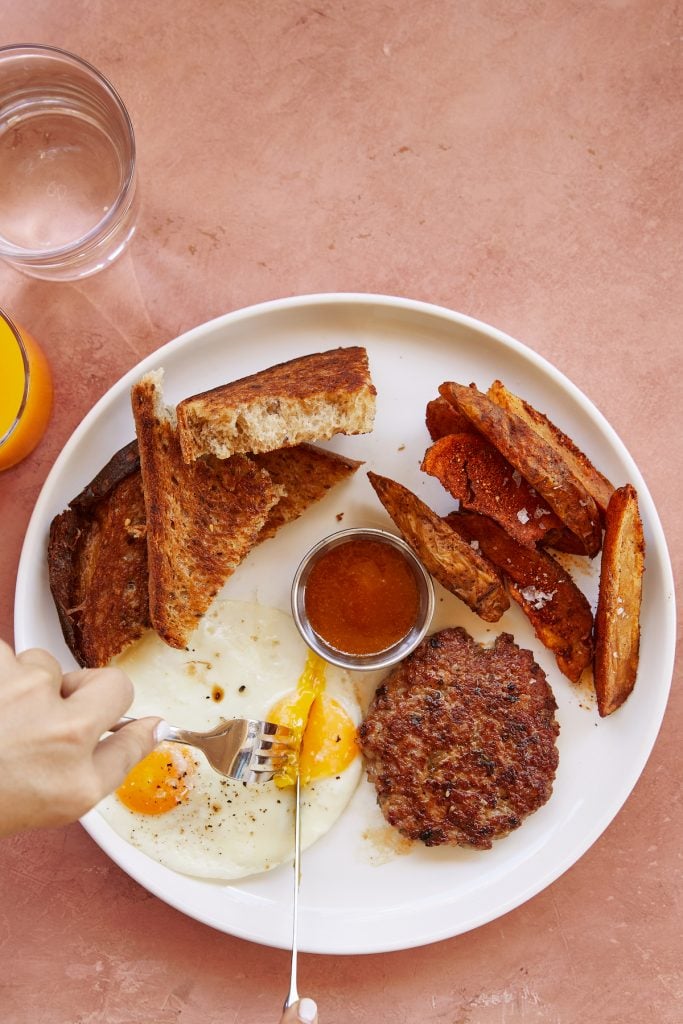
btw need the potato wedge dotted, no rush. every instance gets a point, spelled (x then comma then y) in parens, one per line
(539, 462)
(617, 619)
(447, 557)
(475, 473)
(558, 611)
(442, 419)
(597, 485)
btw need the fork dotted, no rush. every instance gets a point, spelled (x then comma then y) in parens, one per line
(243, 749)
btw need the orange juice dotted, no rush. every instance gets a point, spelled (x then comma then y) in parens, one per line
(25, 393)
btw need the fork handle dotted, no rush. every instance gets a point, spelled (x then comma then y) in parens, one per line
(163, 731)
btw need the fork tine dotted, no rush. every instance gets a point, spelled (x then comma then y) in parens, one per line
(259, 777)
(271, 733)
(280, 747)
(274, 761)
(275, 727)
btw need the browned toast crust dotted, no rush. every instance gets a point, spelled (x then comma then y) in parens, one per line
(538, 461)
(202, 518)
(310, 398)
(560, 614)
(447, 557)
(306, 473)
(617, 619)
(97, 563)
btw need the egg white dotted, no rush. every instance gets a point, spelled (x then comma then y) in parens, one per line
(228, 830)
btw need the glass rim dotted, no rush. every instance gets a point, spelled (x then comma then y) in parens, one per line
(10, 251)
(27, 376)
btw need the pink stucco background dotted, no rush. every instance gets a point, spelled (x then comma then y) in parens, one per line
(516, 160)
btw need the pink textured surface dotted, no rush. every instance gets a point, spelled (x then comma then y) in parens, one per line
(517, 161)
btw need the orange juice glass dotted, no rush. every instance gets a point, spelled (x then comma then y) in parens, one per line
(25, 393)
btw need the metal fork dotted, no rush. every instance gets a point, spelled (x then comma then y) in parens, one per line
(243, 749)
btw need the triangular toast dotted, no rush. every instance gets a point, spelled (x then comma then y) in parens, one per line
(97, 552)
(97, 563)
(306, 399)
(306, 473)
(202, 517)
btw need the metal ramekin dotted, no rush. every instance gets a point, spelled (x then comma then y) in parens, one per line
(402, 647)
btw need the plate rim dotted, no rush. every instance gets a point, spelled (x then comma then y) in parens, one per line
(326, 299)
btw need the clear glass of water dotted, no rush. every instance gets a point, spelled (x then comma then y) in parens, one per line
(67, 165)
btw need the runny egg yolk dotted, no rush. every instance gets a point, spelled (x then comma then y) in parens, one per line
(325, 735)
(329, 743)
(159, 782)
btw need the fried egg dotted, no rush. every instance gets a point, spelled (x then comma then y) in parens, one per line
(243, 661)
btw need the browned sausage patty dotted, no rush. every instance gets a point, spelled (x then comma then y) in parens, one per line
(460, 740)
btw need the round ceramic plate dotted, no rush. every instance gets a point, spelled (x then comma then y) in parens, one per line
(364, 890)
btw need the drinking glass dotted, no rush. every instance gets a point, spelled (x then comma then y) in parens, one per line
(67, 165)
(25, 392)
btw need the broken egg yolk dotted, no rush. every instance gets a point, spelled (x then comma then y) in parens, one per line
(160, 782)
(325, 735)
(329, 743)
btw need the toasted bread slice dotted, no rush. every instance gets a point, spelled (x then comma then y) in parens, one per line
(202, 518)
(597, 485)
(447, 557)
(305, 473)
(475, 472)
(558, 611)
(537, 460)
(306, 399)
(442, 419)
(617, 619)
(97, 563)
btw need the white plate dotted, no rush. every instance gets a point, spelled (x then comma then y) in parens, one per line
(351, 902)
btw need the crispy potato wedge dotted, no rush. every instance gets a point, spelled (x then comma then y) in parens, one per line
(539, 462)
(558, 611)
(442, 419)
(447, 557)
(617, 619)
(597, 485)
(475, 473)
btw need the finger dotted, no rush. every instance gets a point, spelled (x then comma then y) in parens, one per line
(101, 698)
(114, 757)
(35, 657)
(7, 657)
(76, 680)
(305, 1011)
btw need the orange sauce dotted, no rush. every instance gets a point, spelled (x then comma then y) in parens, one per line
(361, 597)
(25, 393)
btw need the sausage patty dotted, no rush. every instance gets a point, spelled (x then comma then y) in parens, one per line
(460, 740)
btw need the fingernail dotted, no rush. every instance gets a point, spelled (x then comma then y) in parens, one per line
(307, 1011)
(162, 731)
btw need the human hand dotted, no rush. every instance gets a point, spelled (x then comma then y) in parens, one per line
(53, 765)
(303, 1012)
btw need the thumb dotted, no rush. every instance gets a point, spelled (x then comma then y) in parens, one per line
(303, 1012)
(116, 755)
